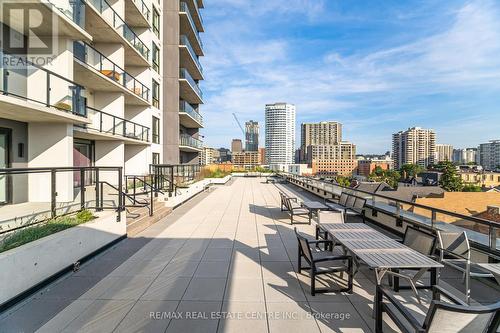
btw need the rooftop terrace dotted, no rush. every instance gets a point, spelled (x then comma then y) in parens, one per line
(223, 262)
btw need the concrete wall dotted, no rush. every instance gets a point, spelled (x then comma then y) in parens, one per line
(43, 258)
(137, 159)
(50, 145)
(170, 86)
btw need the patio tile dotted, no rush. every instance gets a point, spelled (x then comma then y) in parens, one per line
(338, 317)
(245, 290)
(140, 268)
(291, 317)
(205, 289)
(245, 317)
(217, 254)
(71, 287)
(212, 269)
(101, 316)
(167, 287)
(181, 268)
(245, 268)
(65, 317)
(196, 317)
(127, 288)
(283, 290)
(280, 269)
(147, 316)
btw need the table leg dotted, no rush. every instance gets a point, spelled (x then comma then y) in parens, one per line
(434, 282)
(395, 280)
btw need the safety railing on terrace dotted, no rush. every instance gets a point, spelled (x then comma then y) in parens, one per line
(144, 9)
(112, 17)
(32, 196)
(104, 122)
(188, 141)
(185, 41)
(171, 177)
(25, 80)
(483, 234)
(184, 74)
(185, 9)
(187, 108)
(72, 9)
(91, 57)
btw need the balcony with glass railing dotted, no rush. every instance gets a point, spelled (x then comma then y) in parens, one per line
(189, 116)
(71, 9)
(106, 124)
(196, 14)
(189, 28)
(112, 18)
(107, 70)
(189, 89)
(30, 92)
(189, 59)
(189, 143)
(137, 13)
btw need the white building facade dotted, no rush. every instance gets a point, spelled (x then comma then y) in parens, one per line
(280, 133)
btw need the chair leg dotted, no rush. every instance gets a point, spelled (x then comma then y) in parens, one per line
(378, 310)
(313, 282)
(350, 275)
(300, 260)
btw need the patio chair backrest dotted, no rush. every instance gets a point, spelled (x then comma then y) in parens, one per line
(330, 216)
(288, 203)
(350, 201)
(343, 198)
(446, 317)
(304, 246)
(455, 243)
(419, 240)
(359, 203)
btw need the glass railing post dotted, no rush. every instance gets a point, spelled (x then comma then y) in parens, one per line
(82, 188)
(48, 88)
(53, 193)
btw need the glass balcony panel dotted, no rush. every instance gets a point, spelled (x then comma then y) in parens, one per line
(185, 8)
(184, 74)
(72, 9)
(185, 41)
(186, 107)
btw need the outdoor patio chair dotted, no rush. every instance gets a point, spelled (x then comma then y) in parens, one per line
(454, 251)
(354, 207)
(441, 317)
(340, 204)
(313, 255)
(423, 242)
(283, 197)
(294, 209)
(327, 216)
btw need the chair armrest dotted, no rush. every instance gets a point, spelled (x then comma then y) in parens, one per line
(293, 199)
(448, 295)
(332, 258)
(401, 308)
(457, 256)
(320, 241)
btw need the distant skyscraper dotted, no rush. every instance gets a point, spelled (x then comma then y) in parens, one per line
(465, 156)
(444, 153)
(251, 136)
(280, 133)
(414, 146)
(236, 146)
(489, 155)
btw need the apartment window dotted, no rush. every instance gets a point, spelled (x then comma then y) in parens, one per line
(156, 22)
(156, 130)
(156, 94)
(156, 58)
(156, 158)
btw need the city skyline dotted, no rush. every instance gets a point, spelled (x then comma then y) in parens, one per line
(351, 64)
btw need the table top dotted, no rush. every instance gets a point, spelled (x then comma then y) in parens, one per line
(493, 268)
(376, 249)
(314, 205)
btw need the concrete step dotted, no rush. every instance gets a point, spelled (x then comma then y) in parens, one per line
(138, 219)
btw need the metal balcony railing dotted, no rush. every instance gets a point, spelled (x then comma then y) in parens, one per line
(188, 141)
(90, 56)
(184, 74)
(25, 80)
(104, 122)
(187, 108)
(143, 8)
(112, 17)
(72, 9)
(185, 9)
(483, 234)
(185, 41)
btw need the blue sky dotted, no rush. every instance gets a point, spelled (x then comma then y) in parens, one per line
(376, 66)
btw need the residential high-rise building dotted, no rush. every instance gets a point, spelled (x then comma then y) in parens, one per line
(236, 146)
(322, 133)
(251, 136)
(489, 155)
(336, 159)
(209, 156)
(366, 166)
(280, 133)
(246, 158)
(262, 156)
(414, 146)
(182, 94)
(465, 156)
(444, 153)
